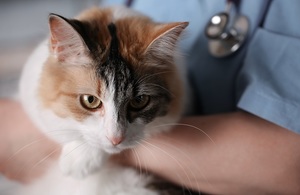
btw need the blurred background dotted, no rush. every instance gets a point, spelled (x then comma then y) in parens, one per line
(23, 24)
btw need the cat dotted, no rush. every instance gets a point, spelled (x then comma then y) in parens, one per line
(101, 83)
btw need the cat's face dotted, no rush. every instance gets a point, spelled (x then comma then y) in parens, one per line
(113, 77)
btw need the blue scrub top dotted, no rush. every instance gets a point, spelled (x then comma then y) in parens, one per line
(262, 78)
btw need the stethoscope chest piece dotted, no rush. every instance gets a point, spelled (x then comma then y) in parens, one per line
(225, 37)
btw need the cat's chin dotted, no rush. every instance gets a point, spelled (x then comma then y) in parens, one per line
(114, 150)
(108, 148)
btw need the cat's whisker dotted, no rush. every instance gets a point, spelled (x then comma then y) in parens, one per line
(139, 162)
(194, 167)
(57, 132)
(61, 130)
(44, 159)
(30, 144)
(161, 87)
(151, 153)
(194, 127)
(173, 158)
(150, 75)
(185, 125)
(21, 168)
(80, 145)
(142, 79)
(26, 146)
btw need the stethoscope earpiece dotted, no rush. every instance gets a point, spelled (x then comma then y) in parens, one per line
(224, 36)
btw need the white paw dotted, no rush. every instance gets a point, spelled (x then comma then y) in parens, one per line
(80, 160)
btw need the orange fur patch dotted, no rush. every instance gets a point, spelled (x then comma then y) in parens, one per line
(61, 85)
(135, 35)
(60, 88)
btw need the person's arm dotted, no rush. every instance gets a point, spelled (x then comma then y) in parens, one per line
(247, 154)
(242, 155)
(24, 150)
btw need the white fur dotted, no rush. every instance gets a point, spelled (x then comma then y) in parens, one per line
(85, 143)
(110, 180)
(79, 160)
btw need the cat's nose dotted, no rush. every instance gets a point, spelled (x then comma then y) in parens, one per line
(116, 140)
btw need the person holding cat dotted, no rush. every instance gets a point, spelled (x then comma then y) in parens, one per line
(245, 135)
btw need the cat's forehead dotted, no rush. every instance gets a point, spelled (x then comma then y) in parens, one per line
(118, 57)
(134, 32)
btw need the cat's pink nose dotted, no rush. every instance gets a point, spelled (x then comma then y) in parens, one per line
(116, 140)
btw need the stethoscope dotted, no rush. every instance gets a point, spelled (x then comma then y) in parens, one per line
(227, 31)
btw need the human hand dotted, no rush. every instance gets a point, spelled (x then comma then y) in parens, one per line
(232, 153)
(24, 151)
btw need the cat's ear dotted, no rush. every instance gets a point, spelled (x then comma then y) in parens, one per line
(165, 39)
(66, 44)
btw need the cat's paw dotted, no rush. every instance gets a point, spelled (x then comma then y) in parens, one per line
(80, 160)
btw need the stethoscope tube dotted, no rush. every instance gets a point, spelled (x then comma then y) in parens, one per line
(128, 3)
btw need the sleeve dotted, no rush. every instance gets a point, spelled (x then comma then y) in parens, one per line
(268, 84)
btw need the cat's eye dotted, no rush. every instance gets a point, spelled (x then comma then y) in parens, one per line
(90, 102)
(139, 102)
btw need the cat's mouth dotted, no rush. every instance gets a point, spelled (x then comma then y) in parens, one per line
(113, 150)
(117, 149)
(109, 148)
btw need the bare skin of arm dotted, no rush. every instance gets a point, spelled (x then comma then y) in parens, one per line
(24, 151)
(235, 153)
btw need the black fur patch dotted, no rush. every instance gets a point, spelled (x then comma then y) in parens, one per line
(126, 82)
(118, 74)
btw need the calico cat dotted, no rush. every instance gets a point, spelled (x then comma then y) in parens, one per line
(100, 84)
